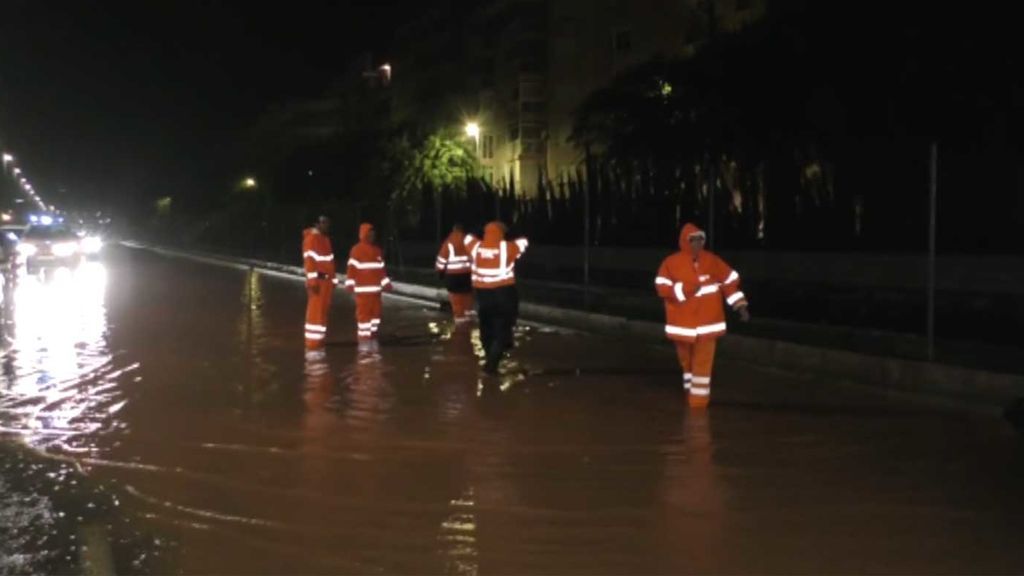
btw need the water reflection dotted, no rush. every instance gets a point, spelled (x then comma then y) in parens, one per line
(261, 384)
(696, 511)
(458, 537)
(59, 386)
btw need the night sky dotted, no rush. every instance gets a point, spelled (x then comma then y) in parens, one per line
(118, 100)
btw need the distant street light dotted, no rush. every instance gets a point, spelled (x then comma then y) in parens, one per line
(17, 171)
(8, 158)
(249, 183)
(473, 131)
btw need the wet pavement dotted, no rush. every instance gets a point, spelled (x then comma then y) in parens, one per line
(177, 396)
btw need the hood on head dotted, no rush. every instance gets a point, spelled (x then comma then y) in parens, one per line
(684, 236)
(456, 237)
(364, 231)
(494, 232)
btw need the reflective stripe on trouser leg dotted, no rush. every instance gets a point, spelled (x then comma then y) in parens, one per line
(367, 314)
(703, 363)
(318, 308)
(684, 352)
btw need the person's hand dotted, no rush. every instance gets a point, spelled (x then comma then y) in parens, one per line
(744, 313)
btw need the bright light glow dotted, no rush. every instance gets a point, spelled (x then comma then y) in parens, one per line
(26, 249)
(472, 130)
(249, 183)
(92, 244)
(62, 382)
(33, 218)
(6, 217)
(8, 158)
(46, 220)
(65, 249)
(17, 171)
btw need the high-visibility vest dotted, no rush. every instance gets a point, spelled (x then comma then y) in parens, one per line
(453, 258)
(494, 260)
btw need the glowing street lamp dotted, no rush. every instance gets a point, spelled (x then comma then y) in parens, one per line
(17, 171)
(473, 131)
(8, 159)
(249, 183)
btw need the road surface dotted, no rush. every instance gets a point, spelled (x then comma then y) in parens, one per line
(185, 429)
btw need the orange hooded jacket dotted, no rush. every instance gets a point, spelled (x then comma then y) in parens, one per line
(693, 287)
(366, 273)
(317, 255)
(493, 258)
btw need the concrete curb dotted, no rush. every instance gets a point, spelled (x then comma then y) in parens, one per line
(975, 389)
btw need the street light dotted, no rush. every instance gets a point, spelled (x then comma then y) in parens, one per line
(249, 183)
(17, 171)
(8, 158)
(473, 131)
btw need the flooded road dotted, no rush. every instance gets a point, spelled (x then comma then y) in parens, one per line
(181, 391)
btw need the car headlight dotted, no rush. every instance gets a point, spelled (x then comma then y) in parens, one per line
(26, 249)
(64, 249)
(91, 244)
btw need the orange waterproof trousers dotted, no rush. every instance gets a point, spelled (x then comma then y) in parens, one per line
(461, 304)
(368, 308)
(318, 308)
(697, 359)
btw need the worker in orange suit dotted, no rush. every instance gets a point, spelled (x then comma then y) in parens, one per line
(693, 283)
(318, 262)
(454, 267)
(367, 278)
(494, 279)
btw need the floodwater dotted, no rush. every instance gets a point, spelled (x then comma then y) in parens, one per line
(160, 415)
